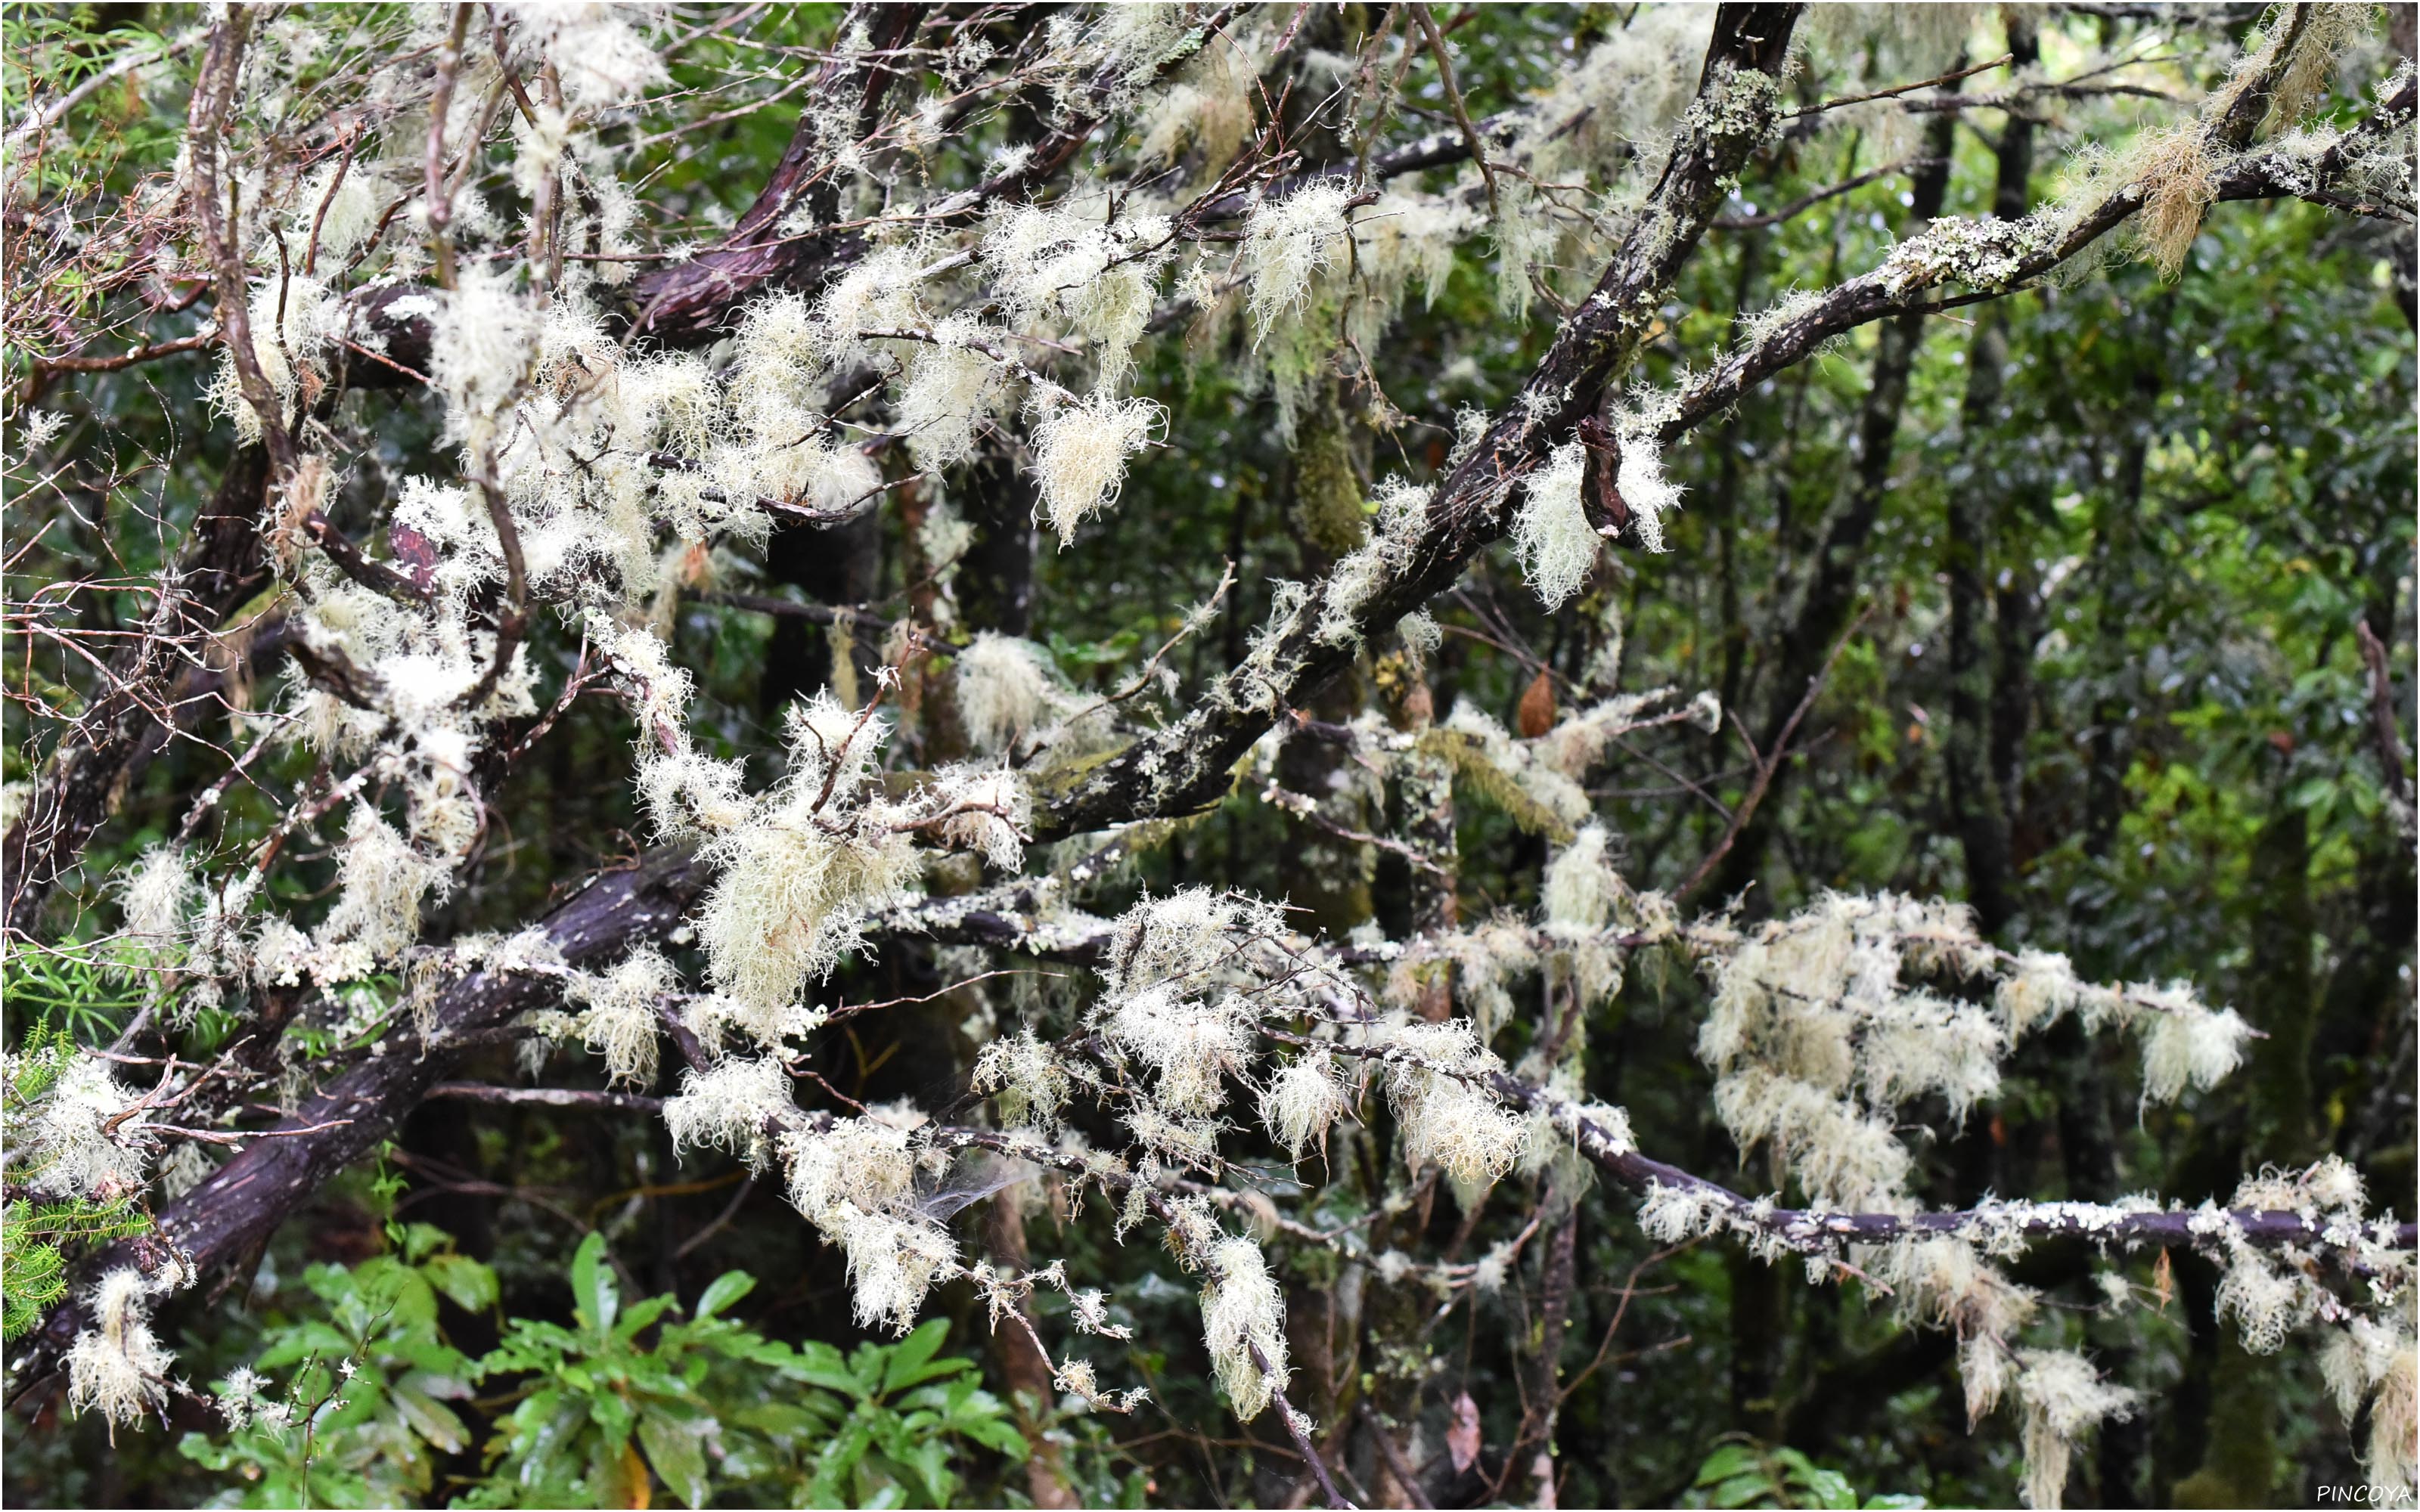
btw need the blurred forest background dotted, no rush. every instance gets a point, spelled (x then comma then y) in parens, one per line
(2101, 559)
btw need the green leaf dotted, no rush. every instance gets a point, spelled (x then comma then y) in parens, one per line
(422, 1240)
(1830, 1488)
(832, 1379)
(796, 1417)
(930, 1460)
(727, 1288)
(999, 1434)
(470, 1285)
(676, 1454)
(1729, 1460)
(1895, 1501)
(642, 1312)
(1743, 1490)
(433, 1420)
(838, 1458)
(909, 1356)
(613, 1417)
(593, 1290)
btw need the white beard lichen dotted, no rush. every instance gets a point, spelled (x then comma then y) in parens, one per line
(1285, 243)
(621, 1022)
(1557, 545)
(1008, 692)
(66, 1147)
(800, 876)
(1080, 450)
(117, 1366)
(2064, 1398)
(1302, 1099)
(1243, 1310)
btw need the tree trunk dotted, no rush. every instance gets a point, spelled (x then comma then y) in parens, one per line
(1831, 593)
(2239, 1466)
(1978, 805)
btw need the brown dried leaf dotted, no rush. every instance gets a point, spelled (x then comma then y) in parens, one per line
(1537, 714)
(1462, 1440)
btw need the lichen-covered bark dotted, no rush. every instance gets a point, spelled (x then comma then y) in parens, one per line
(231, 1214)
(1184, 767)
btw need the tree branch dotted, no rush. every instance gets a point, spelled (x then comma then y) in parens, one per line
(2002, 258)
(243, 1203)
(1811, 1232)
(98, 756)
(1184, 767)
(207, 123)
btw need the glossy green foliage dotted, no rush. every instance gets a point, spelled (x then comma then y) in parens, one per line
(1747, 1473)
(628, 1396)
(359, 1398)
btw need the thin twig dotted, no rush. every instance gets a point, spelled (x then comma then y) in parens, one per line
(547, 1097)
(1405, 1474)
(722, 1220)
(1807, 202)
(148, 351)
(1897, 90)
(1454, 97)
(38, 121)
(1293, 1421)
(514, 623)
(440, 98)
(2382, 710)
(1769, 763)
(221, 229)
(222, 1137)
(357, 564)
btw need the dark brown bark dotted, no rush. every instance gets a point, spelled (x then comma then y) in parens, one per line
(2282, 996)
(839, 567)
(687, 304)
(2238, 1464)
(994, 582)
(1759, 1324)
(233, 1212)
(1726, 500)
(1978, 808)
(1533, 1457)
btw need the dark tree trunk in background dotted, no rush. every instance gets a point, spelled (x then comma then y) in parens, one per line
(840, 566)
(2239, 1462)
(994, 582)
(1031, 1389)
(2367, 1020)
(1978, 507)
(1830, 597)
